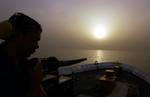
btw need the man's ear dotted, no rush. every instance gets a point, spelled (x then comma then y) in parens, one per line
(19, 37)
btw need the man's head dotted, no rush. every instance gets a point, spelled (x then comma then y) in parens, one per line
(25, 34)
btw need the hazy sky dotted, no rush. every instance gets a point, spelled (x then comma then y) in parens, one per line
(68, 23)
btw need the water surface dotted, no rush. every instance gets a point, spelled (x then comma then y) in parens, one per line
(140, 60)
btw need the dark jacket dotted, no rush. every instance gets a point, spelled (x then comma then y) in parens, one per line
(14, 79)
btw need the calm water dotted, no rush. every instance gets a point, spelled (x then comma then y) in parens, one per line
(141, 60)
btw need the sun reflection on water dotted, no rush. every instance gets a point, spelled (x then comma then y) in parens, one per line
(99, 56)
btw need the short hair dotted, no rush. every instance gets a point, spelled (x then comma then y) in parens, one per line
(22, 23)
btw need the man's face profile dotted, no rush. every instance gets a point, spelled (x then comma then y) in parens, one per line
(29, 43)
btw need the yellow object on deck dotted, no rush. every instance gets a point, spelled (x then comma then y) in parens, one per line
(108, 80)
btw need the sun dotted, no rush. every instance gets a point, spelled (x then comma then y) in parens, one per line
(99, 32)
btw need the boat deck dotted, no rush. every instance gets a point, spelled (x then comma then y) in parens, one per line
(86, 84)
(90, 81)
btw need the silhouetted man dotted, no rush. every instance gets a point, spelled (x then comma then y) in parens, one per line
(17, 79)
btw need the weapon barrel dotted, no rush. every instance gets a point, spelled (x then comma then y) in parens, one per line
(70, 62)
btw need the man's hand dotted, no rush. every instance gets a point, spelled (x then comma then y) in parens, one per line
(36, 70)
(36, 76)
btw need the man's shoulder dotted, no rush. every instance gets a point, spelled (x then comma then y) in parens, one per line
(4, 60)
